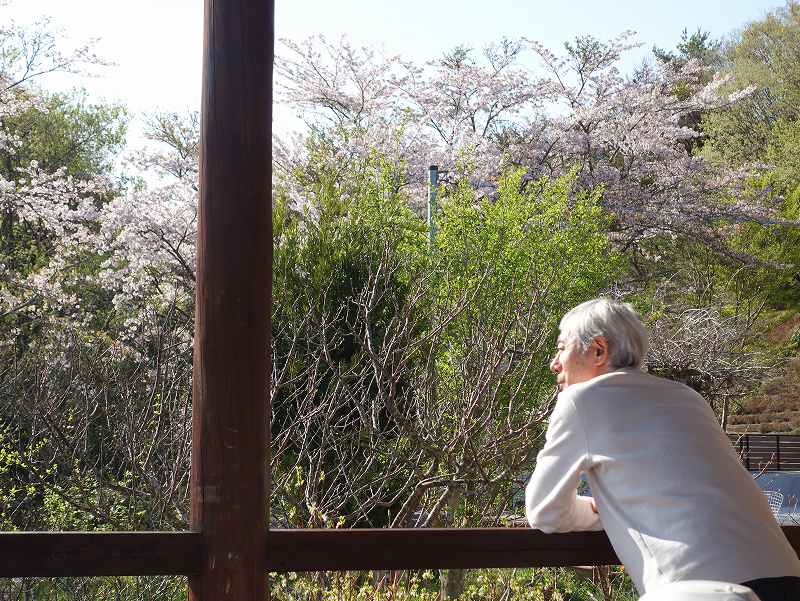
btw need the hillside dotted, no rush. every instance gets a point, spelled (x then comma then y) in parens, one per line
(775, 407)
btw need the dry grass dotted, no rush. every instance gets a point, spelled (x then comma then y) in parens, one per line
(780, 334)
(775, 407)
(780, 394)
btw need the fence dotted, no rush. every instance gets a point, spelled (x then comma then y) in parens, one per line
(768, 452)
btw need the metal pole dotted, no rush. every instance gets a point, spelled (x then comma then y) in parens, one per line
(433, 189)
(747, 443)
(230, 438)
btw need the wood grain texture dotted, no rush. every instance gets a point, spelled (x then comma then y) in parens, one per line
(234, 261)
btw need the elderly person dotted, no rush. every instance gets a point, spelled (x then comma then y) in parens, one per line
(668, 488)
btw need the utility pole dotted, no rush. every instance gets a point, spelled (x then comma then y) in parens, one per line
(433, 189)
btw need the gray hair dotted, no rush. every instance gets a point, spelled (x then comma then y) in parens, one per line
(617, 322)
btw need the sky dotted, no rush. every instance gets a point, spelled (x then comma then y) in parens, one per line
(156, 45)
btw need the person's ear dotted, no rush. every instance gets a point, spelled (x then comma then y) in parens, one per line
(599, 352)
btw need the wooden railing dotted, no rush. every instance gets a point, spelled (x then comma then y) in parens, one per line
(768, 452)
(182, 553)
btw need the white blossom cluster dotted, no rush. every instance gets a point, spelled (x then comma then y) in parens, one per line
(552, 114)
(138, 247)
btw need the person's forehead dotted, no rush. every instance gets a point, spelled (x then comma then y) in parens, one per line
(564, 338)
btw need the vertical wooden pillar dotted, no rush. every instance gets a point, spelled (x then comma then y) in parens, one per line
(234, 263)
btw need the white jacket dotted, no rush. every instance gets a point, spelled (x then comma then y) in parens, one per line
(672, 496)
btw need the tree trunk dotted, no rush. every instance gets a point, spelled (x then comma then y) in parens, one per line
(452, 581)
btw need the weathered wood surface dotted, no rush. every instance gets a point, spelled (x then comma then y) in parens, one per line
(234, 261)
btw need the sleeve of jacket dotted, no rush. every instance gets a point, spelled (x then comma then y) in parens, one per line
(551, 500)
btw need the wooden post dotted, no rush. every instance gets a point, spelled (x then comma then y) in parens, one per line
(229, 480)
(747, 452)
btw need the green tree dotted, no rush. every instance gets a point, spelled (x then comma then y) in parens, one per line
(410, 377)
(69, 133)
(63, 133)
(699, 46)
(764, 56)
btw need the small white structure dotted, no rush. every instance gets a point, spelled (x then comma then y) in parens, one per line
(775, 500)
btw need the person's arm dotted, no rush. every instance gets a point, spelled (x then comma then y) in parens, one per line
(551, 500)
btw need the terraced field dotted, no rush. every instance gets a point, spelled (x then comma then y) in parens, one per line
(775, 408)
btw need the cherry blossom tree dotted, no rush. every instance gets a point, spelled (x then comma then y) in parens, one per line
(472, 117)
(445, 112)
(95, 328)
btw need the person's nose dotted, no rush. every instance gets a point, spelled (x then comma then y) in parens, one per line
(555, 364)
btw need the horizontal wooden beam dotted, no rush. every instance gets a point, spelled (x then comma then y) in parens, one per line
(411, 549)
(99, 553)
(180, 553)
(793, 534)
(423, 548)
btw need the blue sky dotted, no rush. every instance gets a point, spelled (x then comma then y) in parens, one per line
(415, 27)
(156, 44)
